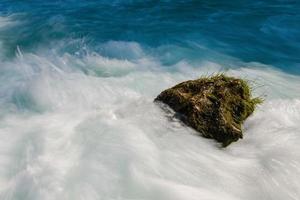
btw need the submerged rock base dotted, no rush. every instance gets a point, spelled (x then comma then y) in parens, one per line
(215, 106)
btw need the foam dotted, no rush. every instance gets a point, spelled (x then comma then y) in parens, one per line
(69, 131)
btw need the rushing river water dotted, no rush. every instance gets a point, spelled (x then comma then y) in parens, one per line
(77, 83)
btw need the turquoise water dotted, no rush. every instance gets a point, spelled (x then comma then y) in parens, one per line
(77, 83)
(252, 31)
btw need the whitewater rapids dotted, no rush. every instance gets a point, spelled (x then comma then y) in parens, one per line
(84, 127)
(87, 128)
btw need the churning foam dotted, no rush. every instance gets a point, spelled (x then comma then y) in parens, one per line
(85, 127)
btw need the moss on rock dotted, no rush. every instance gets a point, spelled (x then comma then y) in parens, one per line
(215, 106)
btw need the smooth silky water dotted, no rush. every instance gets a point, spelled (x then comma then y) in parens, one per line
(77, 83)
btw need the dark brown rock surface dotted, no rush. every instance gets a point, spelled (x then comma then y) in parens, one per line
(215, 106)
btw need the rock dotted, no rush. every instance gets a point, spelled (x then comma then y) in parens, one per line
(215, 106)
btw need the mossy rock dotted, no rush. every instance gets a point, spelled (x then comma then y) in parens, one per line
(215, 106)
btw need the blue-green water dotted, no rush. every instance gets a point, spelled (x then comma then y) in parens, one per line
(77, 83)
(253, 31)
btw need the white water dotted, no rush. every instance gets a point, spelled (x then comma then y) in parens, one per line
(87, 128)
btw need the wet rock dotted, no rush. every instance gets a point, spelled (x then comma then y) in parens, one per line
(215, 106)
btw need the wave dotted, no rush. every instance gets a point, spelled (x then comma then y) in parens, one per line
(84, 126)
